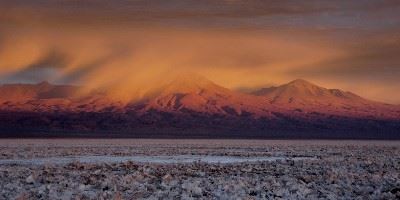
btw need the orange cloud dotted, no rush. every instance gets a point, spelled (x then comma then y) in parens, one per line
(131, 47)
(133, 60)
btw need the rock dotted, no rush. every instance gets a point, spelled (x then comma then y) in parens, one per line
(167, 178)
(193, 188)
(30, 179)
(23, 196)
(42, 189)
(196, 190)
(117, 196)
(201, 174)
(82, 187)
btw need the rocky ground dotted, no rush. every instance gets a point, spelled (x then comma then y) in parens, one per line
(337, 170)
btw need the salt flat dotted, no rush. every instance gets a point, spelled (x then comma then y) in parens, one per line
(144, 159)
(205, 169)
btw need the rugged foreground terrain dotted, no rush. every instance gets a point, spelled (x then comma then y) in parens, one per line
(226, 169)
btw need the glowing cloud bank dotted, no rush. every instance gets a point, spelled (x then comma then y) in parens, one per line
(131, 47)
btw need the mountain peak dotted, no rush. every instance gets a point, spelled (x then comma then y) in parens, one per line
(43, 83)
(194, 93)
(301, 83)
(302, 93)
(189, 82)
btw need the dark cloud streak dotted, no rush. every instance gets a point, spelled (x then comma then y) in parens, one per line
(44, 68)
(83, 71)
(369, 61)
(53, 59)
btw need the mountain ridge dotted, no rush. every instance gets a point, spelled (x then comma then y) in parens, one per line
(195, 104)
(196, 93)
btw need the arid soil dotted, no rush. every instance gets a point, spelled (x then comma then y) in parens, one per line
(199, 169)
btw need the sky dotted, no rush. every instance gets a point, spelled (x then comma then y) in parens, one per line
(129, 45)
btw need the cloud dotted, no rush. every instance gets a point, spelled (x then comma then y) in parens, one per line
(215, 13)
(85, 70)
(375, 58)
(369, 66)
(45, 68)
(53, 59)
(132, 45)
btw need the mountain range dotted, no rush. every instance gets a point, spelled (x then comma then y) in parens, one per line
(192, 106)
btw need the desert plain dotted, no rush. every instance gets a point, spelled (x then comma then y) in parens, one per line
(198, 169)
